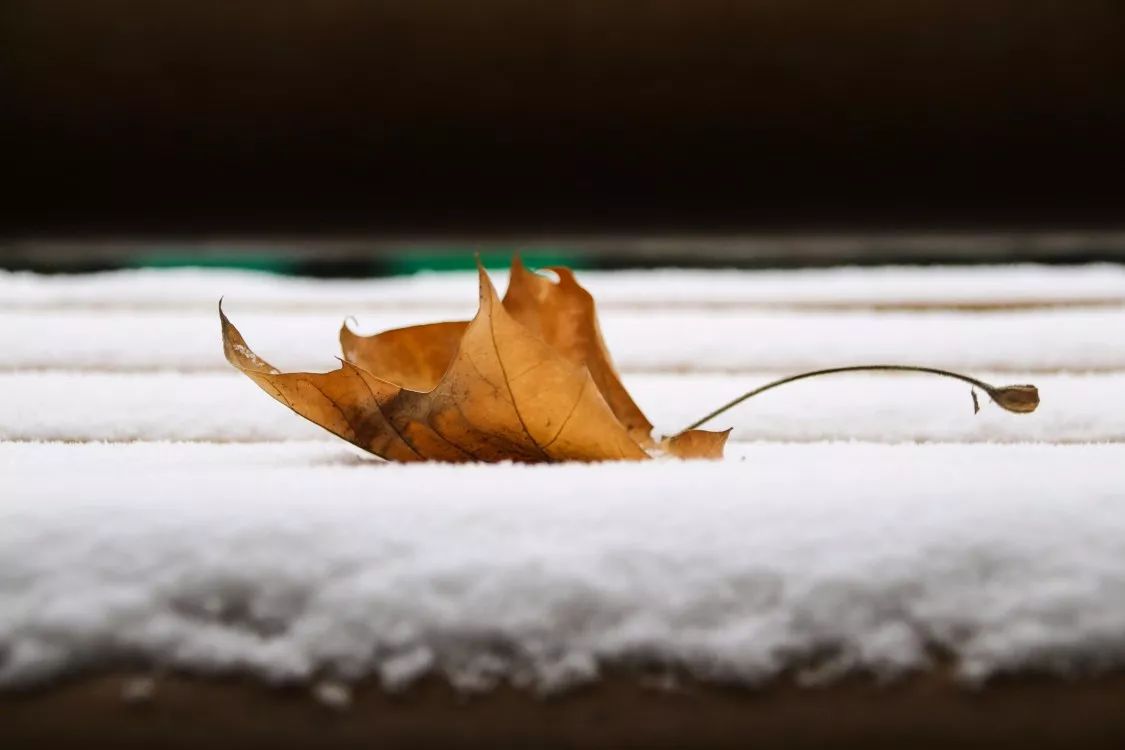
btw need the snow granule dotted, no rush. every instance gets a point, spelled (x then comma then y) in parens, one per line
(297, 563)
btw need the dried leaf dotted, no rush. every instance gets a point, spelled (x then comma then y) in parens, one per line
(562, 314)
(343, 402)
(506, 394)
(528, 379)
(414, 357)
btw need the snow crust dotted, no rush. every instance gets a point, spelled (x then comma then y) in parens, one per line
(274, 550)
(949, 285)
(222, 407)
(673, 340)
(299, 562)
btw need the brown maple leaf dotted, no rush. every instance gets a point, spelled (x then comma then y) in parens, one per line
(528, 379)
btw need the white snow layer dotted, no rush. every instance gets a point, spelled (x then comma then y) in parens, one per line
(297, 561)
(292, 561)
(227, 407)
(1073, 339)
(887, 286)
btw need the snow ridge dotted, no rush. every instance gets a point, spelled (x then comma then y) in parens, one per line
(296, 562)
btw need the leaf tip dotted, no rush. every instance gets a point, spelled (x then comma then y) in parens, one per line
(224, 321)
(487, 291)
(346, 331)
(567, 279)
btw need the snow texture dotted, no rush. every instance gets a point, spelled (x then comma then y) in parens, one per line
(303, 562)
(661, 341)
(860, 287)
(272, 549)
(227, 407)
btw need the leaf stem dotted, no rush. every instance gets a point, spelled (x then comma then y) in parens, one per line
(1002, 396)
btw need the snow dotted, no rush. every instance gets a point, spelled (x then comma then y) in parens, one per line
(270, 549)
(301, 562)
(860, 287)
(676, 340)
(227, 407)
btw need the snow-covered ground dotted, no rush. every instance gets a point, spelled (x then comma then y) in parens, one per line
(869, 287)
(267, 547)
(299, 560)
(735, 340)
(226, 407)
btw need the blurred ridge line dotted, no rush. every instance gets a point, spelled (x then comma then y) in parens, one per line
(361, 256)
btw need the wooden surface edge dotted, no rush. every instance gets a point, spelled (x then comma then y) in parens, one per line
(931, 710)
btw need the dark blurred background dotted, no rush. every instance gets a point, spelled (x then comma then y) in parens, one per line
(731, 132)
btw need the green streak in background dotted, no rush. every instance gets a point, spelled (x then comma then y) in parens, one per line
(408, 261)
(464, 259)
